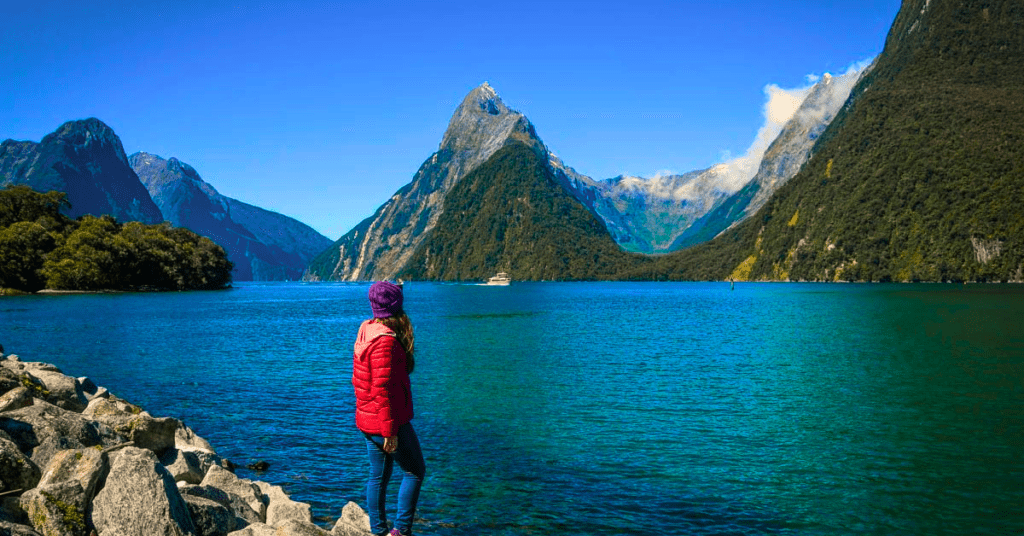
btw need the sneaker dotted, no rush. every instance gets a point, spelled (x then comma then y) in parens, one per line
(396, 532)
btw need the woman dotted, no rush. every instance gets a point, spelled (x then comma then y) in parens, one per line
(382, 362)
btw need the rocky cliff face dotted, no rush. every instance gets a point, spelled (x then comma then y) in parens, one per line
(86, 160)
(264, 245)
(380, 246)
(783, 159)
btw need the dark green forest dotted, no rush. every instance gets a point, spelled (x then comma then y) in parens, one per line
(511, 215)
(40, 248)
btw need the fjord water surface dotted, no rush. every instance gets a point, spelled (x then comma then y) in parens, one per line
(596, 408)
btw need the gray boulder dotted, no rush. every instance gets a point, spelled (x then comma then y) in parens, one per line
(64, 391)
(210, 517)
(155, 434)
(294, 527)
(129, 420)
(91, 390)
(15, 364)
(58, 509)
(17, 471)
(13, 529)
(16, 398)
(111, 407)
(185, 438)
(244, 514)
(354, 521)
(140, 498)
(42, 430)
(85, 466)
(11, 510)
(281, 508)
(8, 379)
(225, 480)
(184, 466)
(256, 529)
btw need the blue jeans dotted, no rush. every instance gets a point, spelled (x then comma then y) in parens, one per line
(410, 459)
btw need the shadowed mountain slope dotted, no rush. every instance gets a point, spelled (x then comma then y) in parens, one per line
(264, 245)
(86, 160)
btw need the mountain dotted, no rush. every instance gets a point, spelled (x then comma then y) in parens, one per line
(381, 245)
(86, 160)
(667, 213)
(646, 215)
(264, 245)
(781, 161)
(920, 176)
(511, 214)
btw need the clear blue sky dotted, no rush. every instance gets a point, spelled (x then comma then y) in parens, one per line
(322, 110)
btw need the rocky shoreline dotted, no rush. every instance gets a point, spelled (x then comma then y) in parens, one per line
(75, 460)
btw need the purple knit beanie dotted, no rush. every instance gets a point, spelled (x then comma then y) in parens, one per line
(385, 299)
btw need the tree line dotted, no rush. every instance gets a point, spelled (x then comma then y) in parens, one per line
(41, 248)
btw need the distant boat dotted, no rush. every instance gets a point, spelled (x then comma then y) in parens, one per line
(500, 279)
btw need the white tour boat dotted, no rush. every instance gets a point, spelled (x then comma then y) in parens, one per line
(500, 279)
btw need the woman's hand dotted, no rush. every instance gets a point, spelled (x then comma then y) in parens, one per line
(390, 444)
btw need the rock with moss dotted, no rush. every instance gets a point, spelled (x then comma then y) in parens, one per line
(138, 426)
(86, 466)
(42, 430)
(140, 498)
(152, 433)
(8, 379)
(16, 398)
(17, 471)
(57, 509)
(104, 463)
(62, 390)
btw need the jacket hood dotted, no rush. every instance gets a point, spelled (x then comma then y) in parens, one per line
(369, 331)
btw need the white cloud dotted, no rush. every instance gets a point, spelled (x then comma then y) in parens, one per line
(782, 105)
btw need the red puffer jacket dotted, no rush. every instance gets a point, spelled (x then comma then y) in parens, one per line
(383, 391)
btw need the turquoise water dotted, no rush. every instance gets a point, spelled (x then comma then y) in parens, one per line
(597, 408)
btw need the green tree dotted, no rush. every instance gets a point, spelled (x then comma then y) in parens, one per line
(23, 249)
(21, 203)
(88, 259)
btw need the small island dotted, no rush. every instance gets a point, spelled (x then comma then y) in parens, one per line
(41, 248)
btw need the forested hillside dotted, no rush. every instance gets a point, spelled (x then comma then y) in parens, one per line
(919, 178)
(511, 215)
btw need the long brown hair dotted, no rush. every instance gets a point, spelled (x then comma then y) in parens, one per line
(402, 327)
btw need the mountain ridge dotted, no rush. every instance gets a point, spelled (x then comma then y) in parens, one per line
(85, 159)
(381, 245)
(263, 245)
